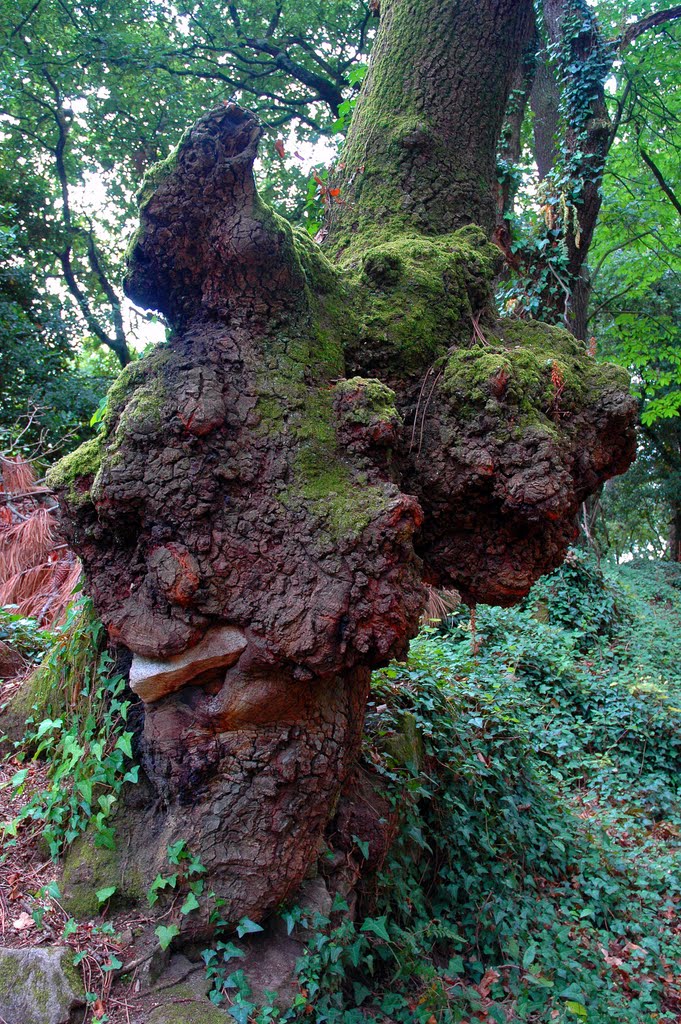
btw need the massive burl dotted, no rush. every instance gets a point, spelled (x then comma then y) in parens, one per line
(325, 430)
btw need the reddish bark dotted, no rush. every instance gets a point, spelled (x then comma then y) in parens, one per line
(254, 477)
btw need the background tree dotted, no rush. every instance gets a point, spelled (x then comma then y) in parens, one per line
(39, 379)
(576, 121)
(91, 97)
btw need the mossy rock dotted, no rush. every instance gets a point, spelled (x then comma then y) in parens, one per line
(87, 868)
(31, 700)
(195, 1012)
(184, 1004)
(40, 986)
(405, 746)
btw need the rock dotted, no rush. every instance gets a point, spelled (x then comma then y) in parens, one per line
(182, 972)
(186, 1010)
(270, 968)
(182, 991)
(40, 986)
(153, 678)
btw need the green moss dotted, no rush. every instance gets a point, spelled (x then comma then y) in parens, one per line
(157, 174)
(373, 400)
(322, 482)
(143, 412)
(88, 868)
(197, 1011)
(144, 373)
(73, 470)
(530, 376)
(328, 488)
(413, 296)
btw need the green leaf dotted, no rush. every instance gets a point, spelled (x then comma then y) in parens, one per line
(247, 927)
(113, 964)
(176, 850)
(339, 904)
(362, 845)
(124, 743)
(159, 883)
(19, 778)
(191, 903)
(241, 1012)
(105, 894)
(579, 1009)
(529, 955)
(377, 926)
(361, 992)
(166, 934)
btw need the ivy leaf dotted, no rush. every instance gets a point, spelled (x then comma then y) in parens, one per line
(361, 993)
(191, 903)
(113, 964)
(175, 851)
(362, 845)
(377, 926)
(124, 743)
(166, 934)
(169, 882)
(105, 894)
(19, 778)
(530, 954)
(579, 1009)
(241, 1013)
(247, 927)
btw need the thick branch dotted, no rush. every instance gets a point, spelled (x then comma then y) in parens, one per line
(326, 90)
(651, 21)
(121, 348)
(666, 188)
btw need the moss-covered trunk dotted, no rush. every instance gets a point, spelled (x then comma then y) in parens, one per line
(319, 436)
(421, 150)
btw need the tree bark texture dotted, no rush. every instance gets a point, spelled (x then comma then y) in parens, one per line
(319, 436)
(421, 150)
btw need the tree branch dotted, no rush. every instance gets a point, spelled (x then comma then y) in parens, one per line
(326, 90)
(666, 188)
(651, 21)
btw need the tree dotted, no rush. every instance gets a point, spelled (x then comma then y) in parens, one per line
(324, 431)
(575, 126)
(38, 376)
(92, 96)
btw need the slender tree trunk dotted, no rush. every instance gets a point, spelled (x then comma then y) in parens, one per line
(675, 534)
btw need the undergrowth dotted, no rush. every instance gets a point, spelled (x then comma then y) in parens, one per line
(537, 873)
(77, 725)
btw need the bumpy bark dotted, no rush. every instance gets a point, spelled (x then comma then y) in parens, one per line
(260, 511)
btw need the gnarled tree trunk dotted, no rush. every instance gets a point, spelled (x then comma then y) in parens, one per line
(320, 434)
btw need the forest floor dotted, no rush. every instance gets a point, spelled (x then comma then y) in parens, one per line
(537, 876)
